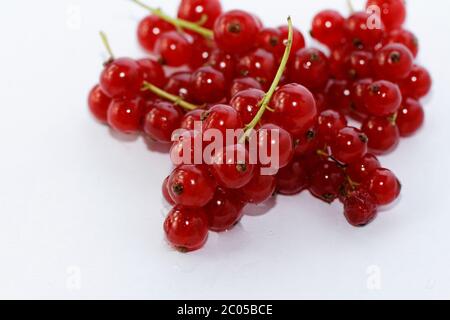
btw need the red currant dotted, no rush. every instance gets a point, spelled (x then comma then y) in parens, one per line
(298, 41)
(393, 12)
(410, 117)
(162, 120)
(417, 84)
(201, 51)
(359, 65)
(309, 67)
(152, 72)
(329, 123)
(179, 84)
(247, 103)
(173, 48)
(149, 29)
(259, 64)
(270, 39)
(293, 178)
(165, 191)
(224, 210)
(221, 117)
(360, 33)
(382, 98)
(393, 62)
(224, 62)
(190, 118)
(99, 103)
(328, 28)
(125, 115)
(383, 134)
(271, 137)
(338, 95)
(349, 145)
(259, 189)
(360, 208)
(241, 84)
(205, 11)
(384, 186)
(326, 181)
(121, 78)
(360, 170)
(207, 85)
(405, 37)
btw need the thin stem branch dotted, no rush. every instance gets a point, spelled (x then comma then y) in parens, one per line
(350, 6)
(180, 23)
(107, 45)
(170, 97)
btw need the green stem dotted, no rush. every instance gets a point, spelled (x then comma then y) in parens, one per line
(107, 45)
(350, 6)
(180, 23)
(170, 97)
(268, 96)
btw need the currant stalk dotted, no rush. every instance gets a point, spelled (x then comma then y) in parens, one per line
(179, 23)
(268, 96)
(170, 97)
(105, 42)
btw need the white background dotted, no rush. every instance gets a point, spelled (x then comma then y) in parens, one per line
(81, 211)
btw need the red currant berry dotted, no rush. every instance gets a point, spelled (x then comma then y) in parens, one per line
(191, 186)
(359, 65)
(179, 84)
(360, 170)
(326, 181)
(246, 103)
(259, 189)
(349, 145)
(259, 64)
(405, 37)
(270, 39)
(329, 123)
(99, 103)
(337, 61)
(201, 51)
(360, 208)
(298, 41)
(234, 31)
(152, 72)
(382, 98)
(232, 168)
(417, 84)
(306, 143)
(224, 62)
(207, 85)
(360, 33)
(186, 229)
(204, 11)
(393, 12)
(241, 84)
(309, 67)
(294, 108)
(165, 192)
(162, 120)
(190, 118)
(328, 28)
(173, 49)
(383, 134)
(358, 91)
(125, 115)
(338, 95)
(410, 117)
(384, 186)
(393, 62)
(224, 210)
(293, 178)
(121, 78)
(221, 117)
(274, 142)
(149, 29)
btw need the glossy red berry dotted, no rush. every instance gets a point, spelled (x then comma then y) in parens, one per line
(384, 186)
(337, 60)
(190, 118)
(275, 145)
(259, 189)
(393, 62)
(410, 117)
(338, 95)
(201, 51)
(306, 143)
(232, 168)
(349, 145)
(125, 115)
(152, 72)
(121, 78)
(224, 62)
(224, 211)
(393, 12)
(358, 95)
(149, 29)
(179, 84)
(270, 39)
(204, 11)
(98, 103)
(309, 67)
(293, 178)
(241, 84)
(259, 64)
(328, 28)
(360, 170)
(207, 85)
(326, 181)
(382, 98)
(221, 117)
(173, 49)
(359, 65)
(417, 84)
(191, 186)
(405, 37)
(294, 109)
(362, 30)
(360, 208)
(246, 103)
(235, 31)
(298, 40)
(383, 134)
(165, 191)
(162, 120)
(329, 123)
(186, 228)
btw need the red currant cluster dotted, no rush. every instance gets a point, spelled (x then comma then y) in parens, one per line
(225, 70)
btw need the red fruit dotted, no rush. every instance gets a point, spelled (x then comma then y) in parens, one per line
(224, 211)
(235, 31)
(293, 178)
(359, 65)
(179, 84)
(190, 118)
(259, 64)
(393, 12)
(328, 28)
(201, 51)
(187, 149)
(224, 62)
(298, 41)
(162, 121)
(186, 229)
(306, 143)
(326, 181)
(405, 37)
(259, 189)
(362, 30)
(232, 168)
(360, 208)
(360, 170)
(270, 39)
(165, 192)
(207, 85)
(338, 95)
(246, 103)
(121, 78)
(383, 134)
(393, 62)
(191, 186)
(205, 11)
(410, 117)
(384, 186)
(349, 145)
(309, 67)
(329, 123)
(358, 92)
(173, 49)
(125, 115)
(294, 108)
(152, 72)
(99, 103)
(241, 84)
(337, 61)
(274, 144)
(149, 29)
(221, 117)
(382, 98)
(417, 84)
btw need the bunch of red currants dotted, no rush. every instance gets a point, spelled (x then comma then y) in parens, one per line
(227, 71)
